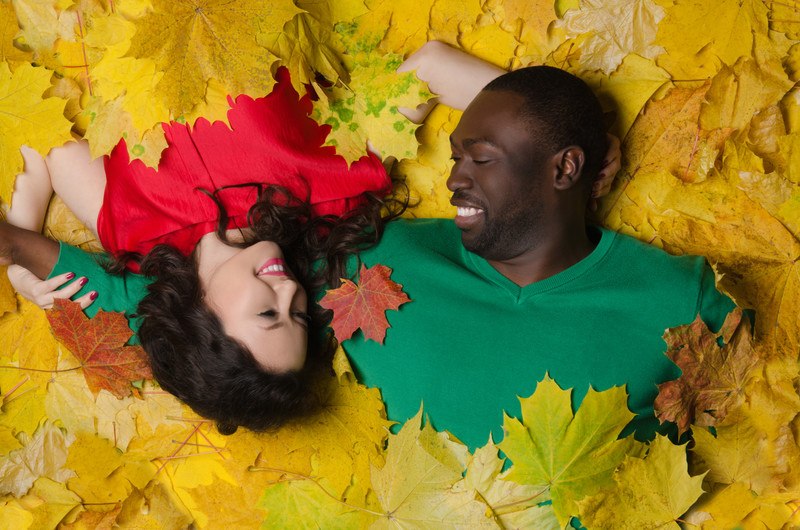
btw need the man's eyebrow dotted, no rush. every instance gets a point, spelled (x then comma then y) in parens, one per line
(469, 142)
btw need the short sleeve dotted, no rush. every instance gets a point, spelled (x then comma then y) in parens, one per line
(115, 292)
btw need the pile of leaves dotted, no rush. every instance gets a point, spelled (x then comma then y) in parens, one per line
(703, 95)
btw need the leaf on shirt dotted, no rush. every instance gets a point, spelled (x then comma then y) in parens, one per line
(714, 377)
(569, 455)
(364, 305)
(649, 492)
(99, 343)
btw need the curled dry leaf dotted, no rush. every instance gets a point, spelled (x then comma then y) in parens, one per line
(714, 377)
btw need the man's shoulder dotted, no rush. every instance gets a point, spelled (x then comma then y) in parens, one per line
(641, 255)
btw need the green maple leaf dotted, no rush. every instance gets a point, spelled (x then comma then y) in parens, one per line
(367, 109)
(572, 455)
(651, 492)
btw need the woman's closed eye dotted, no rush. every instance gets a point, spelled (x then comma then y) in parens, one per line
(269, 313)
(303, 317)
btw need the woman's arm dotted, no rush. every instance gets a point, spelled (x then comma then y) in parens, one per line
(454, 76)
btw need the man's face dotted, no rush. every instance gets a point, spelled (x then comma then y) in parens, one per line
(499, 178)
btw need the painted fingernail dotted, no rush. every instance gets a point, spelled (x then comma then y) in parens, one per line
(83, 281)
(93, 295)
(70, 275)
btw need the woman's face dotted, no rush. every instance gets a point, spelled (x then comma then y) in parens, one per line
(261, 305)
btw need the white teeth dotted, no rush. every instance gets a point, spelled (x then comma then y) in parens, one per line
(467, 212)
(272, 268)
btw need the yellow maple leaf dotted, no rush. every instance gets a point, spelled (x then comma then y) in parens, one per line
(70, 400)
(330, 13)
(455, 22)
(41, 24)
(513, 505)
(27, 342)
(738, 92)
(627, 89)
(426, 175)
(154, 507)
(572, 455)
(192, 41)
(738, 453)
(302, 47)
(529, 22)
(42, 455)
(494, 44)
(21, 401)
(9, 28)
(49, 502)
(650, 492)
(685, 30)
(337, 444)
(414, 488)
(8, 301)
(94, 461)
(134, 80)
(108, 122)
(407, 24)
(27, 119)
(615, 29)
(722, 509)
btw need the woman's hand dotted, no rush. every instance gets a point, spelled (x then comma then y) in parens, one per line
(453, 75)
(44, 292)
(611, 165)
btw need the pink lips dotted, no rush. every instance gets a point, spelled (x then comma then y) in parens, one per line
(273, 267)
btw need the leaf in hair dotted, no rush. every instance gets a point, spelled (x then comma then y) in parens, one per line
(99, 344)
(364, 305)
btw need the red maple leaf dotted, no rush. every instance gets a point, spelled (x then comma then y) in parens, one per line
(714, 377)
(364, 305)
(99, 344)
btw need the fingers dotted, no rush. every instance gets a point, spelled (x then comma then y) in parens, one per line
(44, 292)
(87, 299)
(52, 285)
(611, 165)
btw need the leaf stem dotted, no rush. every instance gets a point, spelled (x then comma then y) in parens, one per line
(497, 509)
(53, 371)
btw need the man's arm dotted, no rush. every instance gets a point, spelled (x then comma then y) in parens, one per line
(28, 249)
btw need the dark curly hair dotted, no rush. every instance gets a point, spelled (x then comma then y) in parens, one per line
(190, 354)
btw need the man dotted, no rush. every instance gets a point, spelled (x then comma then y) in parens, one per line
(517, 286)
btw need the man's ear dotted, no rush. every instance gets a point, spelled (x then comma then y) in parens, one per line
(569, 167)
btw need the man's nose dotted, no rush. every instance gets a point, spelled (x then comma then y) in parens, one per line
(459, 178)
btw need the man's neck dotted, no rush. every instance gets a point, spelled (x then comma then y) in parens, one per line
(555, 254)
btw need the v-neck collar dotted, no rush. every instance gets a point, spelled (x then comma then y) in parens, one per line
(483, 268)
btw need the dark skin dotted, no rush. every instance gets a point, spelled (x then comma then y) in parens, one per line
(28, 249)
(522, 209)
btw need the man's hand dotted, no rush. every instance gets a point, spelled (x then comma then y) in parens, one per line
(29, 249)
(44, 292)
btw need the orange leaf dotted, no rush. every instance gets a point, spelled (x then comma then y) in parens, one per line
(364, 305)
(99, 343)
(713, 377)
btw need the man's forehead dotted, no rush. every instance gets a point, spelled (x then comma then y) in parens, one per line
(489, 114)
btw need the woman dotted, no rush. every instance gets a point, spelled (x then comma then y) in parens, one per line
(229, 226)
